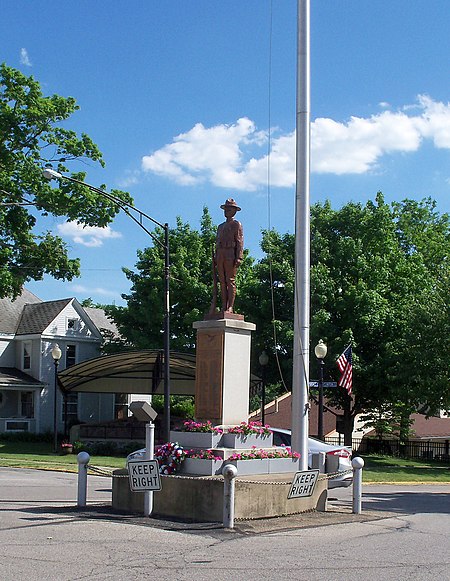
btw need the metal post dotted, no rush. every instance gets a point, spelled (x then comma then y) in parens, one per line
(229, 472)
(166, 334)
(149, 446)
(357, 465)
(320, 434)
(55, 414)
(83, 460)
(300, 379)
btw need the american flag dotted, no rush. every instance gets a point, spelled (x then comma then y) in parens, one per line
(345, 367)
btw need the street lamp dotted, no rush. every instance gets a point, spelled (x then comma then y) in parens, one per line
(56, 354)
(320, 351)
(129, 209)
(263, 361)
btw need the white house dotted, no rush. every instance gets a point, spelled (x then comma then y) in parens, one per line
(29, 329)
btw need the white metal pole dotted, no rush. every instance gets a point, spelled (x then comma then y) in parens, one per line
(357, 464)
(300, 380)
(83, 461)
(149, 446)
(229, 474)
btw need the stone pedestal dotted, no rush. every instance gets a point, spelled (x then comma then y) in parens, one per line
(222, 379)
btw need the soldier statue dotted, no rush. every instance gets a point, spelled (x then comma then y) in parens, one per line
(228, 254)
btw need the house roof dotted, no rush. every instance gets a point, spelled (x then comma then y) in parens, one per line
(11, 310)
(425, 428)
(278, 413)
(101, 320)
(36, 318)
(12, 377)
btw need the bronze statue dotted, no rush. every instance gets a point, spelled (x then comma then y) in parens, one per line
(228, 255)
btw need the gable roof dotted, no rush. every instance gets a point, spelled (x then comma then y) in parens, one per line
(36, 318)
(11, 310)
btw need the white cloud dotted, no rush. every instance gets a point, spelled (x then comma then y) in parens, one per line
(91, 236)
(92, 291)
(24, 58)
(130, 178)
(224, 155)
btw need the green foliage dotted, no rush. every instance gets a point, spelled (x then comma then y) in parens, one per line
(26, 437)
(30, 138)
(379, 280)
(181, 406)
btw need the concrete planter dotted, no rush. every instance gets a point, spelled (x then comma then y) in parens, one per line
(246, 467)
(200, 440)
(282, 465)
(201, 466)
(241, 441)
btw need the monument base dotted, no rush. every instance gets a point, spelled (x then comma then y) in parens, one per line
(222, 379)
(201, 499)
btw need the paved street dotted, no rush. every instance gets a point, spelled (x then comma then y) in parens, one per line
(402, 534)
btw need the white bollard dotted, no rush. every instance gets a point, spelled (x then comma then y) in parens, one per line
(229, 472)
(149, 451)
(83, 460)
(357, 465)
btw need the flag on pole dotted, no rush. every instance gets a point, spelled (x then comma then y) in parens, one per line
(344, 363)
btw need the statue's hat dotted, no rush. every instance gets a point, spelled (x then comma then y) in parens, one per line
(230, 203)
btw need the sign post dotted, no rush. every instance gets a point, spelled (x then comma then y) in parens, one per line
(144, 475)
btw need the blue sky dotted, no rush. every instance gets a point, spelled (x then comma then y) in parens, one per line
(182, 96)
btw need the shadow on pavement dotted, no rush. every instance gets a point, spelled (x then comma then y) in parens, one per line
(408, 502)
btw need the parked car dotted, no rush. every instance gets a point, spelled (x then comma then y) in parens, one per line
(341, 453)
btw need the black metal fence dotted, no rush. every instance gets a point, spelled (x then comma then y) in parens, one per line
(413, 449)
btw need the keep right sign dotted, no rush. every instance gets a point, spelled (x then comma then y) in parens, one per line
(303, 484)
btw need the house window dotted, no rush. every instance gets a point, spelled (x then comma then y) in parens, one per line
(26, 404)
(121, 406)
(73, 324)
(26, 360)
(71, 355)
(71, 408)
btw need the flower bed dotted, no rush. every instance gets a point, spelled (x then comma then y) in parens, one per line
(255, 461)
(248, 435)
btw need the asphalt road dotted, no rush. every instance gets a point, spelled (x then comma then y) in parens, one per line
(402, 534)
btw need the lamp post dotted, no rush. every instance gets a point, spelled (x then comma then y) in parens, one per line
(320, 351)
(263, 361)
(56, 354)
(129, 209)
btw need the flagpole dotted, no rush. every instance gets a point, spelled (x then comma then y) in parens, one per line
(300, 379)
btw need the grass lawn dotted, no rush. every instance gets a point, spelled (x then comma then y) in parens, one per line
(390, 469)
(41, 455)
(376, 469)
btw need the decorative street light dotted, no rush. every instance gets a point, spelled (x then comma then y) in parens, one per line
(129, 209)
(56, 354)
(263, 361)
(320, 351)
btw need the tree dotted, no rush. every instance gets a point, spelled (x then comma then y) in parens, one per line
(30, 136)
(374, 268)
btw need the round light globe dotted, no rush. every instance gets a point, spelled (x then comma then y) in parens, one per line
(320, 350)
(56, 352)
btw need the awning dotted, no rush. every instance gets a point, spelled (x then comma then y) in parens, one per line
(130, 372)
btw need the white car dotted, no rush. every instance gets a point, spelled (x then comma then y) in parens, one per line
(340, 453)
